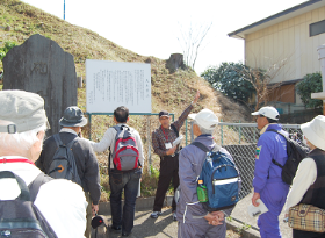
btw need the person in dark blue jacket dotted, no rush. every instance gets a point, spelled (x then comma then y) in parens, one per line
(267, 182)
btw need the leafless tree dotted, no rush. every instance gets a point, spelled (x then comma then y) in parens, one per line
(261, 80)
(191, 40)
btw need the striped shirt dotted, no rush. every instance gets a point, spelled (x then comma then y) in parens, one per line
(162, 136)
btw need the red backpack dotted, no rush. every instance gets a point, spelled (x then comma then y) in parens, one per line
(126, 154)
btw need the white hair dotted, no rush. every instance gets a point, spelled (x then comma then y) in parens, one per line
(203, 130)
(22, 141)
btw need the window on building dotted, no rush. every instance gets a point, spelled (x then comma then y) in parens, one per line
(317, 28)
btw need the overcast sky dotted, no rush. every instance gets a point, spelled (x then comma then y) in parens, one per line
(151, 27)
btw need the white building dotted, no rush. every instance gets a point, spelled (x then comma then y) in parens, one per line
(286, 42)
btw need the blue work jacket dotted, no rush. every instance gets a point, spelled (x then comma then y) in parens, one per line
(270, 146)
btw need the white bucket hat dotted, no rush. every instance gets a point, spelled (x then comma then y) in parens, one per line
(269, 112)
(205, 118)
(315, 131)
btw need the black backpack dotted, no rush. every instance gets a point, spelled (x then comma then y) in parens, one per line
(296, 153)
(63, 165)
(20, 217)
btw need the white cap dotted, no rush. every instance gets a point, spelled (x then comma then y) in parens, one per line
(269, 112)
(314, 131)
(205, 119)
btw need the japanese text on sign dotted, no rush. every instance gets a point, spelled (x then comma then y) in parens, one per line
(113, 84)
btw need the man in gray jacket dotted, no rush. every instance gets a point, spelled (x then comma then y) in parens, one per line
(194, 219)
(85, 159)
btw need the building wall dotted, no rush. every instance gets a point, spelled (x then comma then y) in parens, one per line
(285, 49)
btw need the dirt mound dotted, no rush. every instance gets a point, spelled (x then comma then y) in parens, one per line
(226, 109)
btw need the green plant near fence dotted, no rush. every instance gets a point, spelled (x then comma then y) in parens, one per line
(8, 46)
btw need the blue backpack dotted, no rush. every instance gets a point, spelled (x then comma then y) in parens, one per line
(220, 180)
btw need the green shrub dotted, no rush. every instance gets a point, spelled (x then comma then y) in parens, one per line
(8, 46)
(311, 83)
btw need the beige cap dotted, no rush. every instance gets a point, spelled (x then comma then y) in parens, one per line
(22, 110)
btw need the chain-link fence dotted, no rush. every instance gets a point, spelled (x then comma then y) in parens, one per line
(240, 139)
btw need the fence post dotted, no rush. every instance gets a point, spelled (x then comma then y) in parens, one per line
(89, 123)
(186, 131)
(221, 133)
(239, 133)
(192, 132)
(149, 144)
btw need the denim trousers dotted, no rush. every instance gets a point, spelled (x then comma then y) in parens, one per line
(129, 181)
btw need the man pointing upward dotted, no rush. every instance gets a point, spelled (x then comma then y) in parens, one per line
(162, 142)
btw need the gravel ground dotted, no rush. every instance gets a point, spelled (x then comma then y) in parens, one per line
(162, 227)
(240, 213)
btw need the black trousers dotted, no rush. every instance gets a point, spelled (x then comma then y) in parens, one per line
(169, 167)
(307, 234)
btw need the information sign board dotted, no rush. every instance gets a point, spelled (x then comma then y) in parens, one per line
(113, 84)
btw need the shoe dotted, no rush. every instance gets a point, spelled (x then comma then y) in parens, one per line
(117, 228)
(155, 214)
(174, 216)
(126, 233)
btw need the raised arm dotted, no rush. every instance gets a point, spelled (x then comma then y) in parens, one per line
(178, 124)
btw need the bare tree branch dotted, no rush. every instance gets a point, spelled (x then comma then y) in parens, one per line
(261, 80)
(191, 42)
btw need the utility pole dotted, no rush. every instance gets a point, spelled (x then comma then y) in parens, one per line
(64, 11)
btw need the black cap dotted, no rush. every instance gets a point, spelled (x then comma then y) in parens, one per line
(163, 113)
(97, 221)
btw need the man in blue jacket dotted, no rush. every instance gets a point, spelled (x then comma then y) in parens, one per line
(267, 182)
(194, 219)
